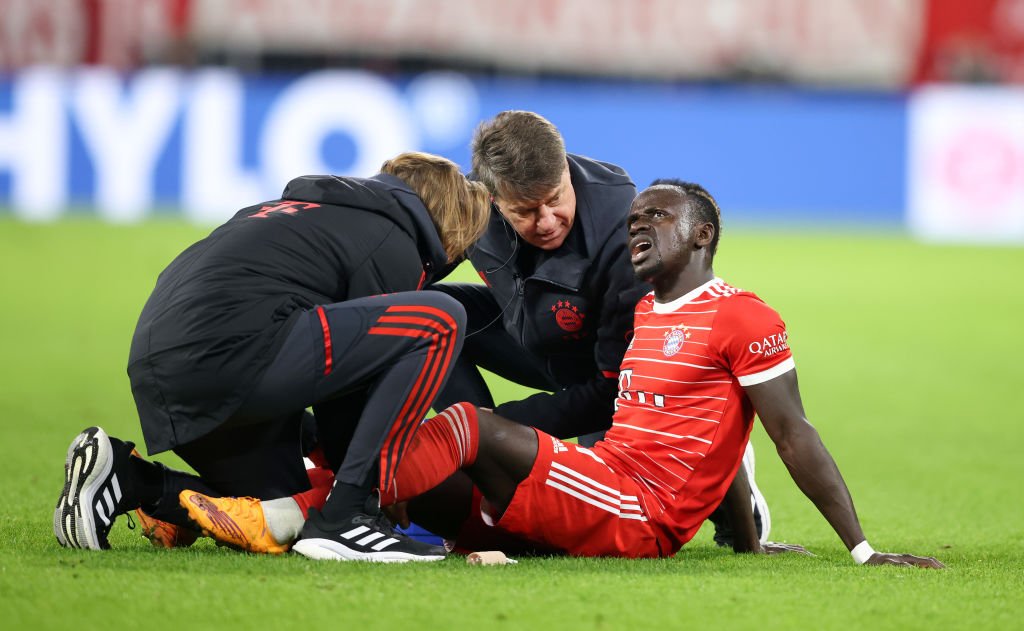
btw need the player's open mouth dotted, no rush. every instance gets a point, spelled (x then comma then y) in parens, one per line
(638, 249)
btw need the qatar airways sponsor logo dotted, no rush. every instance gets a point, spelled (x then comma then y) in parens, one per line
(770, 345)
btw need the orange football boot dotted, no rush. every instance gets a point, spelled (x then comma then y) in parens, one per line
(237, 522)
(164, 534)
(160, 533)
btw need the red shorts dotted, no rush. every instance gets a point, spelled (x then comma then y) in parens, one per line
(571, 503)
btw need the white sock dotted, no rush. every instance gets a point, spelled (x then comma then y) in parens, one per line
(284, 518)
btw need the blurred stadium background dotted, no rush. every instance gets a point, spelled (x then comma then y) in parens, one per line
(837, 112)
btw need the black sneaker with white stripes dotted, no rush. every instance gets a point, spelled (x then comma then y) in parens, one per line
(92, 497)
(361, 537)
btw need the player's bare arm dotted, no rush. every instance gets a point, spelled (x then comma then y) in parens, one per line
(745, 538)
(741, 514)
(781, 411)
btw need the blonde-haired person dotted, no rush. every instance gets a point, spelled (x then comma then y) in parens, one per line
(458, 207)
(307, 300)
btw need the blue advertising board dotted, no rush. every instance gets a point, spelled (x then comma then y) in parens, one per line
(206, 142)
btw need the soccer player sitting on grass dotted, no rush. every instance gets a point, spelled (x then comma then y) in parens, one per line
(705, 358)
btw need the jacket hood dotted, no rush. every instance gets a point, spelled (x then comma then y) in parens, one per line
(383, 194)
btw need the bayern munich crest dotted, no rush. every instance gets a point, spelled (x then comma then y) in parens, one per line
(568, 316)
(674, 341)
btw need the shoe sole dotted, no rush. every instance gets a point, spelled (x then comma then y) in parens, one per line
(759, 504)
(330, 550)
(87, 465)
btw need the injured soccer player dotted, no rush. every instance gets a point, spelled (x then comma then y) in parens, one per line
(705, 358)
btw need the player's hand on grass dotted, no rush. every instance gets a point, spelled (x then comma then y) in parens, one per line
(886, 558)
(770, 547)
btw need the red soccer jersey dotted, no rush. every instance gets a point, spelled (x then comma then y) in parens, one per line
(682, 419)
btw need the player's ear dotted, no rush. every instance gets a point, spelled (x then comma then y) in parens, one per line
(705, 233)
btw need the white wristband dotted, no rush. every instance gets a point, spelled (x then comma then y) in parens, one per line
(862, 552)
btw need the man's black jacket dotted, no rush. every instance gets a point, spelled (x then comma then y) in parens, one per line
(574, 310)
(223, 307)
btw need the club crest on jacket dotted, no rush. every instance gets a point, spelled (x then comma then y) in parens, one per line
(568, 316)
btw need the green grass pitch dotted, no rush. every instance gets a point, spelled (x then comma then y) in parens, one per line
(910, 361)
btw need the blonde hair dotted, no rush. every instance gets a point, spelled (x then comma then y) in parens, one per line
(458, 207)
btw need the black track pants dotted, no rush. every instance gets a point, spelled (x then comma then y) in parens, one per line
(370, 368)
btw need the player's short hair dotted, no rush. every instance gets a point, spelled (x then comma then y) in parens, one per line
(458, 207)
(702, 204)
(518, 154)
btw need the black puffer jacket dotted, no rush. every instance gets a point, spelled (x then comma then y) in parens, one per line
(223, 307)
(575, 310)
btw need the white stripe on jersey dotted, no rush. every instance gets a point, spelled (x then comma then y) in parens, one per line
(714, 297)
(685, 299)
(672, 456)
(665, 361)
(696, 453)
(639, 467)
(651, 492)
(672, 326)
(628, 402)
(658, 353)
(654, 431)
(692, 407)
(687, 382)
(720, 288)
(683, 313)
(687, 396)
(767, 375)
(649, 482)
(661, 466)
(587, 452)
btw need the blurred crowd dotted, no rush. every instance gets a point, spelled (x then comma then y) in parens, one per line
(877, 43)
